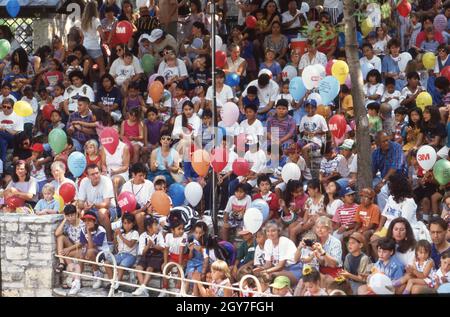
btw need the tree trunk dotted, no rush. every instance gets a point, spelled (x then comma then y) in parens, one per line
(363, 145)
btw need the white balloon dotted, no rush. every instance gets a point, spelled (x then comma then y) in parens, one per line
(426, 157)
(315, 96)
(290, 171)
(374, 13)
(289, 72)
(311, 77)
(193, 193)
(404, 58)
(219, 43)
(253, 220)
(322, 71)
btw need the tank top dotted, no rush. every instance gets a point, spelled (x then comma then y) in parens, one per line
(420, 268)
(132, 103)
(130, 130)
(161, 159)
(114, 161)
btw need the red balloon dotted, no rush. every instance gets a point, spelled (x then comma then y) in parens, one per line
(446, 72)
(127, 202)
(329, 66)
(404, 8)
(67, 192)
(241, 167)
(109, 138)
(219, 159)
(15, 202)
(124, 31)
(221, 58)
(250, 22)
(337, 126)
(47, 111)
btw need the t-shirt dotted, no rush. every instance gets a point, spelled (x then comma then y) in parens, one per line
(222, 96)
(174, 244)
(256, 129)
(11, 122)
(406, 209)
(285, 250)
(142, 192)
(331, 208)
(158, 240)
(120, 62)
(375, 62)
(266, 94)
(98, 238)
(50, 205)
(123, 72)
(73, 232)
(133, 235)
(245, 252)
(345, 215)
(91, 39)
(96, 194)
(287, 17)
(258, 258)
(72, 94)
(367, 215)
(236, 208)
(29, 187)
(316, 123)
(109, 98)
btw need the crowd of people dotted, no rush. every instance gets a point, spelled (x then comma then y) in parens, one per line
(153, 96)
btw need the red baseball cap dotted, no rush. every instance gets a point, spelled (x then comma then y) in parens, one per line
(37, 147)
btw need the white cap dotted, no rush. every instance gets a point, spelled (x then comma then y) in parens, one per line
(380, 284)
(155, 35)
(265, 71)
(304, 8)
(347, 145)
(142, 3)
(144, 36)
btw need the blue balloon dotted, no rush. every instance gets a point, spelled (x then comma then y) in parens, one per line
(297, 88)
(220, 134)
(262, 206)
(232, 79)
(13, 8)
(77, 163)
(365, 69)
(328, 89)
(341, 39)
(176, 193)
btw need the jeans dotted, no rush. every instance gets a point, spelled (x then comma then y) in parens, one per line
(125, 259)
(383, 195)
(6, 140)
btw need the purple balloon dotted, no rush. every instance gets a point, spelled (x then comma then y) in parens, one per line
(440, 22)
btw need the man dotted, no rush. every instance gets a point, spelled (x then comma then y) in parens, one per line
(144, 25)
(312, 57)
(79, 133)
(168, 16)
(96, 194)
(291, 19)
(224, 93)
(10, 125)
(349, 163)
(159, 41)
(370, 57)
(387, 160)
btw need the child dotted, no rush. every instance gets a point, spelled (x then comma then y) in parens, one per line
(207, 130)
(285, 94)
(391, 95)
(37, 163)
(344, 218)
(133, 99)
(74, 64)
(16, 79)
(199, 99)
(305, 251)
(356, 264)
(283, 124)
(442, 275)
(179, 99)
(375, 124)
(411, 91)
(58, 98)
(292, 208)
(197, 262)
(53, 75)
(386, 116)
(269, 197)
(6, 92)
(258, 258)
(251, 98)
(201, 75)
(271, 64)
(48, 205)
(400, 124)
(346, 100)
(124, 73)
(152, 126)
(311, 282)
(220, 276)
(387, 263)
(234, 211)
(414, 131)
(281, 286)
(30, 121)
(373, 89)
(261, 21)
(413, 29)
(92, 154)
(164, 106)
(151, 247)
(133, 130)
(55, 121)
(430, 44)
(126, 242)
(245, 253)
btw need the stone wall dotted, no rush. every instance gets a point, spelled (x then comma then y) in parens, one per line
(28, 247)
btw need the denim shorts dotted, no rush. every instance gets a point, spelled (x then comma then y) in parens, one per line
(112, 213)
(94, 54)
(295, 269)
(125, 259)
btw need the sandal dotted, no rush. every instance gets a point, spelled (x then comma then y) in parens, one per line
(60, 268)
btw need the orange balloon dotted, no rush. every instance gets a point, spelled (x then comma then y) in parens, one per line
(161, 202)
(324, 111)
(200, 162)
(156, 91)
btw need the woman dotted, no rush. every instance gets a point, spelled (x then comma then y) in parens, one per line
(20, 57)
(328, 249)
(235, 63)
(142, 189)
(382, 41)
(401, 231)
(389, 65)
(181, 69)
(119, 63)
(22, 186)
(314, 205)
(127, 13)
(433, 130)
(278, 42)
(109, 97)
(279, 255)
(76, 90)
(58, 170)
(271, 15)
(92, 34)
(198, 32)
(442, 59)
(164, 160)
(331, 199)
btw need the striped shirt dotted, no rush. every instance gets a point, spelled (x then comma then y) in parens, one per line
(285, 126)
(345, 215)
(394, 158)
(333, 248)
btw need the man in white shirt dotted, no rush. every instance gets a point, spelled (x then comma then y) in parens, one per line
(96, 193)
(268, 91)
(224, 93)
(291, 19)
(312, 57)
(370, 57)
(10, 125)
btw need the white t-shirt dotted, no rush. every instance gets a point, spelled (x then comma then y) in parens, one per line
(319, 58)
(158, 239)
(35, 106)
(370, 90)
(174, 244)
(96, 194)
(182, 70)
(12, 121)
(256, 129)
(331, 208)
(406, 209)
(375, 61)
(222, 96)
(29, 187)
(133, 235)
(120, 62)
(123, 72)
(73, 93)
(234, 204)
(266, 94)
(195, 122)
(234, 130)
(285, 250)
(287, 17)
(91, 38)
(258, 259)
(313, 124)
(9, 96)
(170, 72)
(143, 192)
(258, 160)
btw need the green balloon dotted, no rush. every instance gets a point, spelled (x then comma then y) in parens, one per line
(148, 63)
(5, 48)
(57, 139)
(441, 171)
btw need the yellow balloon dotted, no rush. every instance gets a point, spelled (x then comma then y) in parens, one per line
(366, 26)
(23, 108)
(340, 71)
(60, 201)
(429, 60)
(424, 99)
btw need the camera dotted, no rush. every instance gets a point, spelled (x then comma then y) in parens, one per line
(309, 242)
(190, 239)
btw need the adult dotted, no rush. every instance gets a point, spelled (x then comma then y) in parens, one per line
(96, 194)
(200, 32)
(173, 75)
(145, 24)
(235, 63)
(127, 13)
(277, 42)
(20, 57)
(312, 57)
(332, 199)
(427, 22)
(267, 92)
(159, 41)
(79, 133)
(164, 160)
(327, 249)
(389, 65)
(109, 97)
(168, 16)
(442, 59)
(120, 63)
(58, 171)
(75, 91)
(326, 35)
(224, 93)
(279, 255)
(271, 15)
(291, 19)
(401, 231)
(142, 189)
(22, 186)
(370, 57)
(197, 15)
(10, 125)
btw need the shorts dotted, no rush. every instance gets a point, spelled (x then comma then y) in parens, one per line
(94, 54)
(194, 265)
(295, 269)
(382, 233)
(112, 213)
(176, 258)
(153, 260)
(125, 259)
(314, 146)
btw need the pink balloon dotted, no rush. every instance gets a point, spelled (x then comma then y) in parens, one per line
(219, 159)
(240, 143)
(109, 138)
(152, 79)
(127, 202)
(241, 167)
(440, 22)
(230, 114)
(348, 82)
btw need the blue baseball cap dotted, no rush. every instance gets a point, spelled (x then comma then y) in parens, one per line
(311, 102)
(348, 191)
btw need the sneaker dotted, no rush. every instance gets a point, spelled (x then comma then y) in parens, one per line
(76, 285)
(116, 286)
(140, 291)
(97, 283)
(162, 294)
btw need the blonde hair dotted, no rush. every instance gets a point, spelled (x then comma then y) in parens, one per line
(90, 11)
(48, 187)
(91, 142)
(221, 266)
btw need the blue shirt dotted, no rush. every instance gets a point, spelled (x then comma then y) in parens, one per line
(43, 204)
(436, 256)
(394, 158)
(388, 65)
(393, 269)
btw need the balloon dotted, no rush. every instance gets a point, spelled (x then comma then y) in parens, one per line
(374, 13)
(250, 22)
(232, 79)
(161, 202)
(57, 139)
(230, 114)
(405, 57)
(60, 201)
(77, 163)
(424, 99)
(366, 26)
(221, 58)
(109, 139)
(13, 8)
(14, 202)
(193, 193)
(329, 66)
(262, 206)
(148, 63)
(124, 31)
(446, 72)
(288, 73)
(324, 111)
(47, 111)
(296, 88)
(23, 108)
(198, 43)
(343, 184)
(315, 96)
(67, 192)
(127, 202)
(365, 69)
(337, 125)
(311, 77)
(156, 91)
(152, 79)
(426, 157)
(219, 43)
(321, 69)
(429, 60)
(176, 193)
(290, 171)
(200, 162)
(219, 159)
(441, 171)
(440, 22)
(253, 220)
(5, 48)
(241, 167)
(404, 8)
(340, 71)
(328, 89)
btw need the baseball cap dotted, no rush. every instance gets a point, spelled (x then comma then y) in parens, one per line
(265, 71)
(155, 35)
(358, 237)
(281, 282)
(380, 284)
(311, 102)
(348, 191)
(144, 37)
(89, 215)
(347, 145)
(37, 147)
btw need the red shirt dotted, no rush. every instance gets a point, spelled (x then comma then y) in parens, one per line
(422, 36)
(272, 200)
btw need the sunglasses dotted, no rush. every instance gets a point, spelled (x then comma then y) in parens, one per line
(166, 138)
(7, 107)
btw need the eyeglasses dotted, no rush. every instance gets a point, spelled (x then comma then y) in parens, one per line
(7, 107)
(166, 138)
